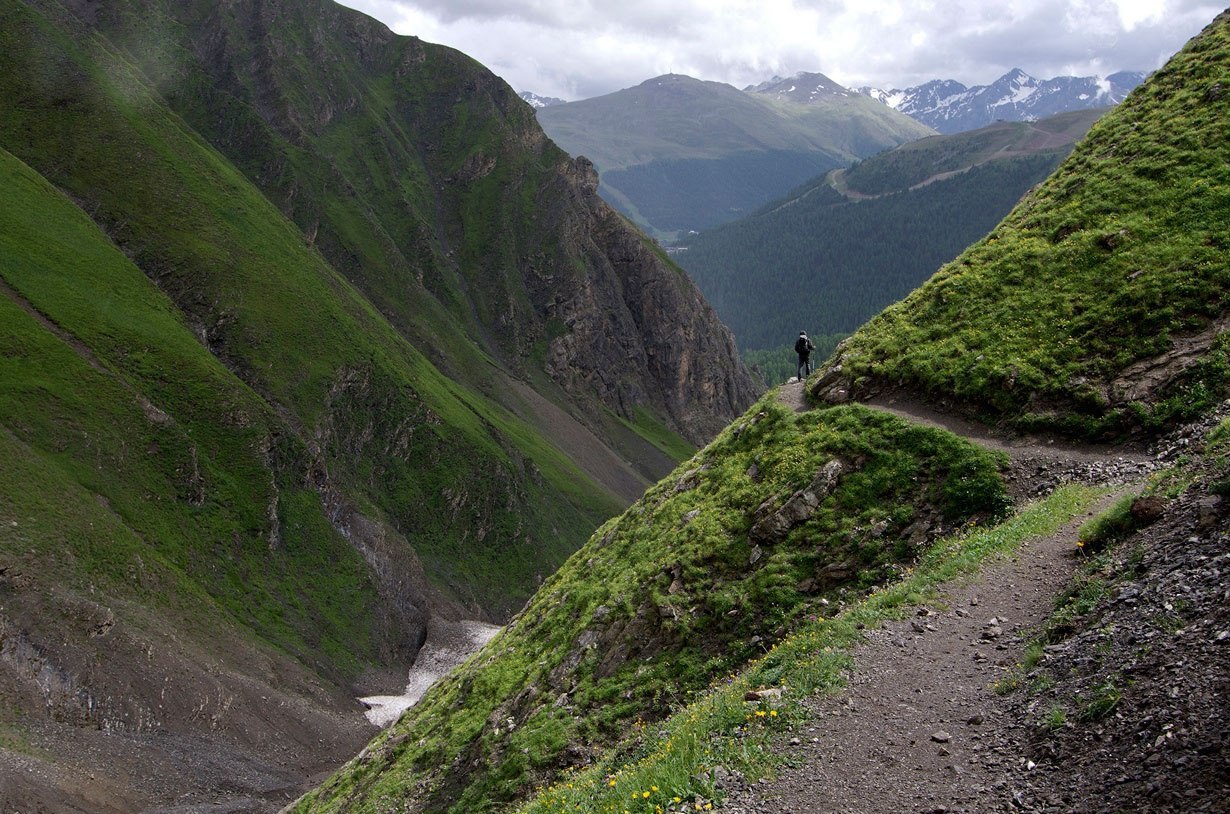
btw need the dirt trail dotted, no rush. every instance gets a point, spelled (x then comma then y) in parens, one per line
(920, 727)
(1038, 463)
(792, 395)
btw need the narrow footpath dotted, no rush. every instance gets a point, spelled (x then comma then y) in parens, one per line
(920, 726)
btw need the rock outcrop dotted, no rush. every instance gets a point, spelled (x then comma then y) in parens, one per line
(772, 524)
(638, 330)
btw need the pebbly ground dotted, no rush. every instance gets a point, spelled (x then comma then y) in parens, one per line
(920, 727)
(1126, 711)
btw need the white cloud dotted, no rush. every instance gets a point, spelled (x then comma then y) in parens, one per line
(580, 48)
(1134, 12)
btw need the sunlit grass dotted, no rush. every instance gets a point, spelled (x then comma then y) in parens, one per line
(1119, 252)
(679, 759)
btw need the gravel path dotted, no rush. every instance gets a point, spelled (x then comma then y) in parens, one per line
(920, 727)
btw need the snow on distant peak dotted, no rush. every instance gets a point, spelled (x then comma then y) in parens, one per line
(803, 88)
(950, 107)
(538, 102)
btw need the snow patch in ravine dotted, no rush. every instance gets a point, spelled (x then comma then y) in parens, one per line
(448, 645)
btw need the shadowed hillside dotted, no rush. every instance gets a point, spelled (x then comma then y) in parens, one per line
(310, 337)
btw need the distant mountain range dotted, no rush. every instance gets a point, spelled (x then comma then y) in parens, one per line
(950, 107)
(677, 154)
(537, 101)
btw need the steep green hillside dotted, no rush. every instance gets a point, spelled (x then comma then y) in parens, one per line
(784, 515)
(679, 154)
(309, 338)
(427, 182)
(107, 393)
(368, 405)
(1100, 303)
(167, 564)
(842, 247)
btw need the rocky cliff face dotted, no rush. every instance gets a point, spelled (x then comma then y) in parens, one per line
(641, 312)
(443, 201)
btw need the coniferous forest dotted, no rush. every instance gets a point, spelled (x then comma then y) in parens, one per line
(821, 262)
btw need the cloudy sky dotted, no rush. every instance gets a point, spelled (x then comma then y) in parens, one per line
(575, 49)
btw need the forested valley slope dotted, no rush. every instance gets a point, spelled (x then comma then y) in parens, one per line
(843, 247)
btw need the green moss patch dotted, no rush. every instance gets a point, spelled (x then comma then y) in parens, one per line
(677, 593)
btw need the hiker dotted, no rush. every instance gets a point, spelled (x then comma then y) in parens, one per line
(803, 347)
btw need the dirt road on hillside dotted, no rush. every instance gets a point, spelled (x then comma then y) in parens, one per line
(1037, 463)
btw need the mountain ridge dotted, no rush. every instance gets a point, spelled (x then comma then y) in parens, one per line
(677, 153)
(537, 101)
(951, 107)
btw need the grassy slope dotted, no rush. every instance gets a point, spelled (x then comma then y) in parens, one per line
(666, 599)
(184, 460)
(300, 335)
(680, 764)
(1121, 251)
